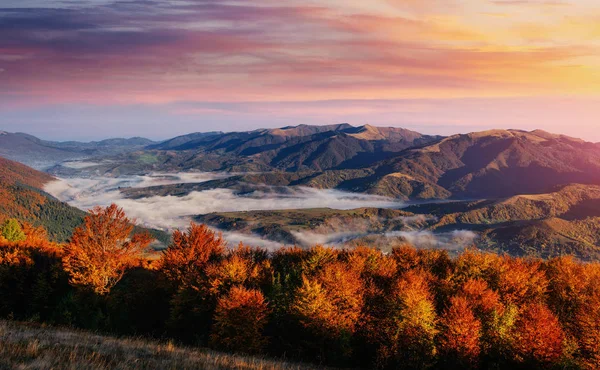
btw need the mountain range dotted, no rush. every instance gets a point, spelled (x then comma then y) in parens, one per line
(522, 192)
(40, 154)
(391, 162)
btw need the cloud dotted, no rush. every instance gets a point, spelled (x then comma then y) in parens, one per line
(416, 220)
(160, 52)
(234, 238)
(452, 241)
(170, 212)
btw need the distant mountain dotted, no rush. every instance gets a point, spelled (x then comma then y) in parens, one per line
(300, 147)
(40, 154)
(391, 162)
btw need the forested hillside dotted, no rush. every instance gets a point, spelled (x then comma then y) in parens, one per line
(23, 198)
(349, 308)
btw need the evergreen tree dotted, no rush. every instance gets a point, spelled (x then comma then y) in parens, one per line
(11, 231)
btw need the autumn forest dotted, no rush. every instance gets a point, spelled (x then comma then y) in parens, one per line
(411, 308)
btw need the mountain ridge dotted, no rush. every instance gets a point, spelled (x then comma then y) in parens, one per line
(39, 153)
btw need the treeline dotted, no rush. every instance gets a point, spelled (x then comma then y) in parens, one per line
(351, 308)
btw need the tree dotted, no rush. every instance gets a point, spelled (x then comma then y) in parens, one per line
(588, 333)
(587, 318)
(568, 281)
(190, 264)
(11, 231)
(102, 248)
(483, 300)
(189, 253)
(404, 330)
(35, 234)
(538, 336)
(240, 318)
(240, 266)
(460, 333)
(312, 306)
(520, 280)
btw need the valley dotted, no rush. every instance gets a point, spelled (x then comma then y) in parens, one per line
(508, 191)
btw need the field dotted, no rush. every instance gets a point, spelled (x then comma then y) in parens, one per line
(26, 346)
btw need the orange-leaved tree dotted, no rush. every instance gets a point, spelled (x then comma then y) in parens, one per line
(188, 255)
(460, 334)
(538, 336)
(404, 331)
(102, 248)
(240, 317)
(189, 263)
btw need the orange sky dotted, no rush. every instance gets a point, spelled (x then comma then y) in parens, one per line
(240, 64)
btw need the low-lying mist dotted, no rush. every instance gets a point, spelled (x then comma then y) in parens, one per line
(175, 212)
(171, 212)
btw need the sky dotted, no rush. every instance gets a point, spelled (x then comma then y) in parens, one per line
(91, 69)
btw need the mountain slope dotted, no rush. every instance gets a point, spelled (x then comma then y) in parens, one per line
(496, 163)
(23, 198)
(571, 202)
(563, 222)
(392, 162)
(293, 148)
(310, 147)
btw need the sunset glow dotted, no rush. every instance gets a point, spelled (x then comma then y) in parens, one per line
(160, 68)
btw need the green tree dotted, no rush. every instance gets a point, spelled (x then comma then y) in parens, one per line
(11, 231)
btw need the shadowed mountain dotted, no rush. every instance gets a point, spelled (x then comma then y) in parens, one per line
(290, 149)
(304, 147)
(491, 164)
(39, 153)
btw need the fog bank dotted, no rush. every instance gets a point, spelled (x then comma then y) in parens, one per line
(169, 212)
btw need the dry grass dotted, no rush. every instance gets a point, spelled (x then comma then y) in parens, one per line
(24, 346)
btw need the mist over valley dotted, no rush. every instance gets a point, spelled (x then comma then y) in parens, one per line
(169, 212)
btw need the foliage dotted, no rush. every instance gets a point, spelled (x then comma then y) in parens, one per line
(11, 231)
(538, 336)
(460, 333)
(239, 321)
(188, 255)
(102, 248)
(407, 309)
